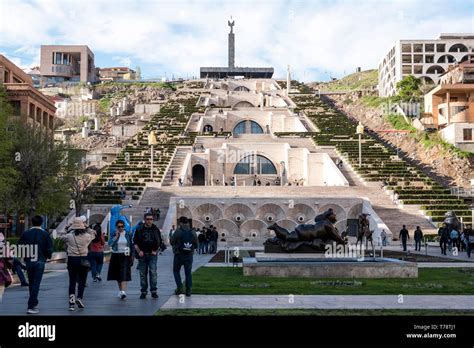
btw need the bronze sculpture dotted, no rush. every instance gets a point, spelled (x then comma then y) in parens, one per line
(306, 237)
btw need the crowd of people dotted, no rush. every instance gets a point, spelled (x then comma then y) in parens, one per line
(85, 246)
(207, 238)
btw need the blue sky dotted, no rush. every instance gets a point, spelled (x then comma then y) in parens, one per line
(318, 39)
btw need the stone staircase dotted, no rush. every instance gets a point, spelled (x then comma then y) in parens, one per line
(176, 165)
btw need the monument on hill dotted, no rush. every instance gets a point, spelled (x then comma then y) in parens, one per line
(232, 70)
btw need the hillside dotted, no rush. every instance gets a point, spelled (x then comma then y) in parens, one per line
(367, 79)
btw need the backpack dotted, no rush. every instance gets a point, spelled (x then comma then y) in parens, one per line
(186, 241)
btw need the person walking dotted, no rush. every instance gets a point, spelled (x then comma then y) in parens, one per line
(184, 242)
(201, 241)
(38, 238)
(170, 233)
(454, 235)
(443, 238)
(120, 267)
(77, 241)
(469, 239)
(418, 237)
(18, 268)
(147, 240)
(404, 236)
(96, 253)
(383, 235)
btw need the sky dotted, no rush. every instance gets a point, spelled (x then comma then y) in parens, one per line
(319, 39)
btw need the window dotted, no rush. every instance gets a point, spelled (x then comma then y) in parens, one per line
(406, 58)
(418, 69)
(429, 47)
(58, 59)
(440, 48)
(255, 128)
(429, 58)
(418, 58)
(406, 48)
(406, 69)
(417, 47)
(467, 134)
(255, 165)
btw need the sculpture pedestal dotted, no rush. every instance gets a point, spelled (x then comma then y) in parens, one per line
(319, 266)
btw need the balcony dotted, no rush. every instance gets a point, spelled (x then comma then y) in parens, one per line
(459, 112)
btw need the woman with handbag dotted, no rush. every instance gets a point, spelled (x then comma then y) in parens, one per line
(122, 258)
(77, 241)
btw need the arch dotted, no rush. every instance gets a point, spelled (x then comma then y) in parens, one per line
(243, 127)
(458, 48)
(241, 88)
(197, 224)
(207, 128)
(340, 211)
(238, 213)
(198, 174)
(252, 164)
(464, 59)
(270, 212)
(427, 80)
(435, 69)
(207, 213)
(254, 228)
(355, 211)
(301, 213)
(243, 104)
(446, 58)
(226, 228)
(94, 218)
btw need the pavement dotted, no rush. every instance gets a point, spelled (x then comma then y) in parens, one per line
(462, 302)
(100, 298)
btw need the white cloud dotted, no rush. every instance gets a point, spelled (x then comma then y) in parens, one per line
(178, 37)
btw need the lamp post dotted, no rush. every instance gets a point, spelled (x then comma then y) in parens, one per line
(152, 141)
(360, 131)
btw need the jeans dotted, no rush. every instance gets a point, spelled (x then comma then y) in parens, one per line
(19, 271)
(206, 247)
(418, 245)
(35, 274)
(96, 258)
(147, 264)
(77, 275)
(185, 260)
(404, 243)
(468, 249)
(212, 247)
(201, 248)
(443, 243)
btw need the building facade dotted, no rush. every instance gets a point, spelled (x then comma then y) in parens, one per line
(450, 106)
(116, 74)
(66, 63)
(425, 59)
(29, 105)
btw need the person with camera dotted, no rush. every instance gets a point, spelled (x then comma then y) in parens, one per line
(120, 267)
(77, 241)
(147, 241)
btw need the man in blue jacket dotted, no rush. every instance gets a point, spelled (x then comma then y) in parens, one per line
(39, 241)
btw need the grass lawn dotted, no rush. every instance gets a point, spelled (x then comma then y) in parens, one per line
(430, 281)
(308, 312)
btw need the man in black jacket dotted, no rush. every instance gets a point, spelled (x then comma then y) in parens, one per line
(147, 240)
(404, 236)
(443, 234)
(184, 241)
(39, 240)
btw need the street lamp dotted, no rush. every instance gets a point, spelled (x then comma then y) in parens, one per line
(152, 141)
(360, 131)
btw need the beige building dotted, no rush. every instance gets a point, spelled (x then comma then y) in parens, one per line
(116, 74)
(450, 106)
(66, 63)
(29, 104)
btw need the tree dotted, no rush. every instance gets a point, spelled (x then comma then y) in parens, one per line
(409, 89)
(8, 174)
(39, 162)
